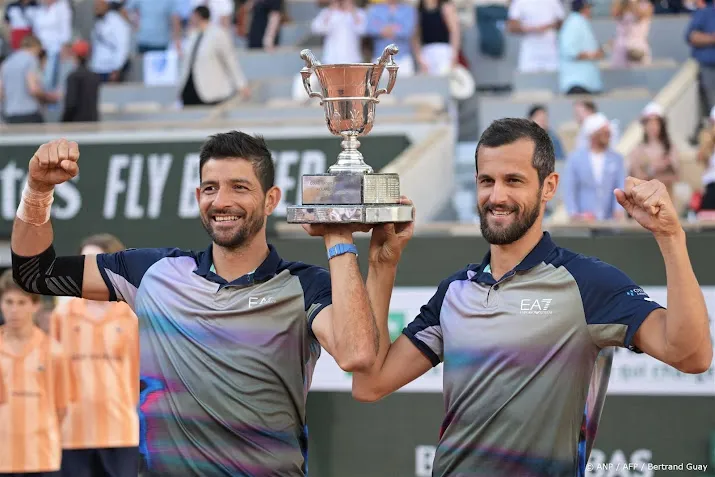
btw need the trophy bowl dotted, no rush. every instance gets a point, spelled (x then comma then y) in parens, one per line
(350, 191)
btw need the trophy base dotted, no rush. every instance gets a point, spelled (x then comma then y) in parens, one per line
(351, 214)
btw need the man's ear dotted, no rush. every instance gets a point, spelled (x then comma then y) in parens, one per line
(273, 198)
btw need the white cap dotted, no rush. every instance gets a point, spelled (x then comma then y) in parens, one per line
(653, 109)
(595, 123)
(712, 114)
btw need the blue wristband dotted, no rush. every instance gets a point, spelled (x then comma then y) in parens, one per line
(341, 249)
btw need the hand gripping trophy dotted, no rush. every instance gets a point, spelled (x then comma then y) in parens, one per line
(350, 192)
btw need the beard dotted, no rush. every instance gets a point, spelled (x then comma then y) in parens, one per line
(252, 224)
(523, 221)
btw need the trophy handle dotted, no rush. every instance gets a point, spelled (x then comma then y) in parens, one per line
(310, 63)
(387, 59)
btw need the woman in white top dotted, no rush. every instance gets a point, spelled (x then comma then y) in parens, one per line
(538, 22)
(342, 25)
(53, 27)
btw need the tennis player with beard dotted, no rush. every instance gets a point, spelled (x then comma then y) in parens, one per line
(519, 333)
(229, 336)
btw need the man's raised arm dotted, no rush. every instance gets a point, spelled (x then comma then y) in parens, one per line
(35, 266)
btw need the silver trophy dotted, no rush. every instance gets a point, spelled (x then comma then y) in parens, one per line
(350, 192)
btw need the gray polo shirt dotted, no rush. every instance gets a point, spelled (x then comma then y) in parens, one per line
(518, 356)
(16, 97)
(225, 367)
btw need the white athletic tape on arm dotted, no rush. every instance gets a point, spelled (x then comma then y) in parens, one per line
(35, 207)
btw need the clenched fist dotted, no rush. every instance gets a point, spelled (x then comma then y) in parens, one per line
(54, 162)
(650, 205)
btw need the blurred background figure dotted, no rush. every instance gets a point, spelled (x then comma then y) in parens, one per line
(655, 157)
(100, 435)
(540, 115)
(393, 22)
(19, 20)
(580, 52)
(592, 174)
(210, 73)
(221, 10)
(630, 46)
(438, 42)
(39, 387)
(706, 156)
(266, 16)
(538, 23)
(21, 89)
(157, 23)
(111, 43)
(81, 99)
(584, 109)
(700, 36)
(53, 26)
(341, 24)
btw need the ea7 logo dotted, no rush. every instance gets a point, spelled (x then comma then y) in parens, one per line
(259, 301)
(536, 307)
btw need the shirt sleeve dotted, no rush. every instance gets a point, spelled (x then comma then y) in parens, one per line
(514, 11)
(317, 289)
(425, 331)
(123, 271)
(614, 306)
(697, 23)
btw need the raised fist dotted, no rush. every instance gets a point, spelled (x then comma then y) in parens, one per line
(54, 162)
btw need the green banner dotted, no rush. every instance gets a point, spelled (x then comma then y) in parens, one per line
(396, 437)
(145, 192)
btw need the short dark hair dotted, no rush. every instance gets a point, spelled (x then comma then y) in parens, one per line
(203, 12)
(509, 130)
(236, 144)
(535, 109)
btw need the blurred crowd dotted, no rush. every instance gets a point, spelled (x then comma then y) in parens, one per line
(47, 66)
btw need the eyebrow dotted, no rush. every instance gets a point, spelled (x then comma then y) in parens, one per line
(239, 180)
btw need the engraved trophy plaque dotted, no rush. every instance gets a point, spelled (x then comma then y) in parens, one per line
(350, 192)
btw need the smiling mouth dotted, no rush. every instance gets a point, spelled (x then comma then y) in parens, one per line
(226, 218)
(501, 213)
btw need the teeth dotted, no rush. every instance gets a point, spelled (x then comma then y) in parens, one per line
(225, 218)
(500, 213)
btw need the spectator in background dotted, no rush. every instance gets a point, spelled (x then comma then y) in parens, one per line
(491, 16)
(655, 157)
(393, 22)
(158, 23)
(438, 43)
(266, 19)
(111, 43)
(583, 110)
(538, 22)
(221, 11)
(706, 156)
(700, 35)
(210, 73)
(82, 90)
(630, 46)
(341, 24)
(53, 26)
(592, 174)
(580, 52)
(19, 20)
(539, 114)
(21, 90)
(110, 386)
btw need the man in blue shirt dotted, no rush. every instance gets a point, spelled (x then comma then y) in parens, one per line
(700, 35)
(579, 51)
(229, 336)
(393, 22)
(520, 332)
(159, 24)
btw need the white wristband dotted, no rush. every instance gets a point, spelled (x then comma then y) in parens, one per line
(35, 207)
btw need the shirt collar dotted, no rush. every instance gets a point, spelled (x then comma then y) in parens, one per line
(265, 270)
(537, 255)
